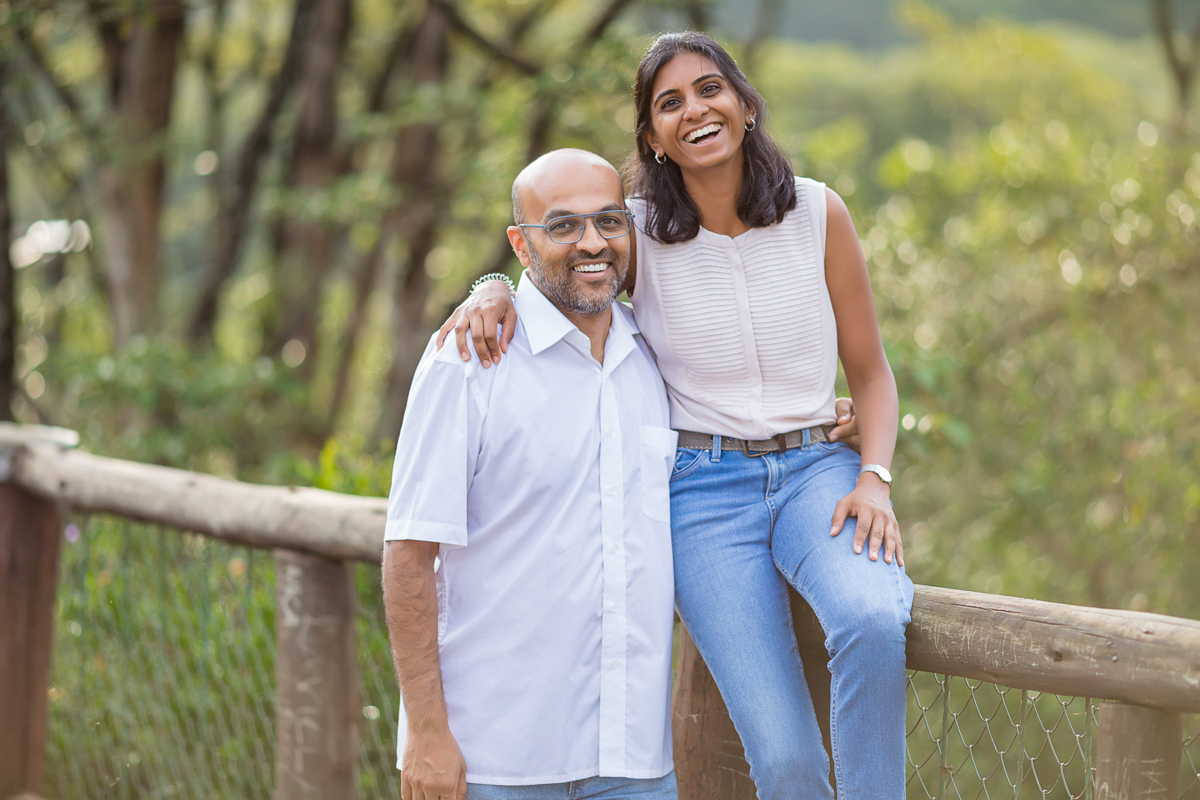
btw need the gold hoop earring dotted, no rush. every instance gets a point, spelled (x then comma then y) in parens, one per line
(659, 157)
(750, 125)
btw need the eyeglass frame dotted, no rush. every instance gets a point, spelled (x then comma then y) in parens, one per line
(583, 227)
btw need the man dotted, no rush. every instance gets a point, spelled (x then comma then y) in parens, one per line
(527, 568)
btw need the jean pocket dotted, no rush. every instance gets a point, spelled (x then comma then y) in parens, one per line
(658, 458)
(687, 461)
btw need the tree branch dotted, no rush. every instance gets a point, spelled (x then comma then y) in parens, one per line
(233, 220)
(497, 49)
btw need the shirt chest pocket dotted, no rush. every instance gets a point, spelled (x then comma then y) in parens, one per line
(658, 458)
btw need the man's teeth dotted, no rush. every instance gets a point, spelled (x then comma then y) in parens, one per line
(590, 267)
(705, 131)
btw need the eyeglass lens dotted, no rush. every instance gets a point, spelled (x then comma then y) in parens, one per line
(568, 230)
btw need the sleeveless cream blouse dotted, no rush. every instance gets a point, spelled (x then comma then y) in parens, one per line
(742, 327)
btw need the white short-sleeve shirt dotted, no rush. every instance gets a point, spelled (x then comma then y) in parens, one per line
(544, 479)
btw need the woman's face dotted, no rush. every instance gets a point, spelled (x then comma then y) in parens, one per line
(697, 118)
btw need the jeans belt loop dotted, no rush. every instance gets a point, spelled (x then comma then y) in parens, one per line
(716, 450)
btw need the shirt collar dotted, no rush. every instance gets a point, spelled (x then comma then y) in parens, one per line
(545, 324)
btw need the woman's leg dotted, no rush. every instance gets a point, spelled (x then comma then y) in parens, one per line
(863, 606)
(735, 605)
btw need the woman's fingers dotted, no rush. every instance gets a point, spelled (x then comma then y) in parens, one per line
(448, 326)
(480, 340)
(890, 540)
(840, 512)
(876, 528)
(461, 328)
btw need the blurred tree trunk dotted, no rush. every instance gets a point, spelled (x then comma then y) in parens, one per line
(768, 21)
(371, 265)
(233, 214)
(1183, 58)
(8, 305)
(141, 53)
(415, 171)
(306, 244)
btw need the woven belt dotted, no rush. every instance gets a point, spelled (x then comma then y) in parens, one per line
(754, 448)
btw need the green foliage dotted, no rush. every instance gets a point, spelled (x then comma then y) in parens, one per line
(158, 400)
(1032, 239)
(1028, 214)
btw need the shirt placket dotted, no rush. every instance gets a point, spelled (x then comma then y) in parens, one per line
(741, 294)
(613, 628)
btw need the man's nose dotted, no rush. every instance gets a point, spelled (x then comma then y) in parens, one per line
(591, 241)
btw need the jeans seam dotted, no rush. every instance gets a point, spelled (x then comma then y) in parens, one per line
(833, 680)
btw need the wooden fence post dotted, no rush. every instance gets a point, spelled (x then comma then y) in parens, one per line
(317, 707)
(29, 546)
(709, 761)
(1139, 753)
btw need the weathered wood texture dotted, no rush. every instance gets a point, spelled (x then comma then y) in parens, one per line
(1146, 659)
(312, 520)
(1137, 753)
(709, 760)
(29, 544)
(316, 671)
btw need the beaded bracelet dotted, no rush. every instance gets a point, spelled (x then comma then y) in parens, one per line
(494, 276)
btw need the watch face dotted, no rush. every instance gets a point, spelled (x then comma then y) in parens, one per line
(883, 474)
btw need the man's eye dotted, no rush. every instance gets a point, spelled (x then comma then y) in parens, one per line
(563, 225)
(610, 220)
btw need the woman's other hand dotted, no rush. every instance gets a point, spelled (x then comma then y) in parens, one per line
(847, 424)
(487, 312)
(870, 504)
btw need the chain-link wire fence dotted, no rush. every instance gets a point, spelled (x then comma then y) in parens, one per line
(163, 686)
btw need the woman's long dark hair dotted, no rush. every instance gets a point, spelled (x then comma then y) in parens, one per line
(768, 183)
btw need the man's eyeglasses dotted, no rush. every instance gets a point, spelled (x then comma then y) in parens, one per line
(569, 230)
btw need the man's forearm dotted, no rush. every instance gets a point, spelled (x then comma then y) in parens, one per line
(410, 601)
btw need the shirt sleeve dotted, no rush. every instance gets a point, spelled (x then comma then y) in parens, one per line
(435, 455)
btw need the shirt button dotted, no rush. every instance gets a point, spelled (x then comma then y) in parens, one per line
(612, 548)
(614, 608)
(614, 664)
(611, 491)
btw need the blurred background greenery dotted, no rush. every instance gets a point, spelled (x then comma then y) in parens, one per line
(227, 228)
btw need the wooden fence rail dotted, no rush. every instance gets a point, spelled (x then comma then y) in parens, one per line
(1146, 666)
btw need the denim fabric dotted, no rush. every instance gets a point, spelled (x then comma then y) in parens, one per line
(588, 789)
(742, 529)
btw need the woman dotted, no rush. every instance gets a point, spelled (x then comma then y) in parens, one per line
(750, 284)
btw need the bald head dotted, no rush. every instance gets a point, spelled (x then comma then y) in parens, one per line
(551, 176)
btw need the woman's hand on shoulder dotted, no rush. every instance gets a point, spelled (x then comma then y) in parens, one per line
(488, 311)
(870, 504)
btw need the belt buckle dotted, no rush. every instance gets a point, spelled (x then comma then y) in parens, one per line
(780, 443)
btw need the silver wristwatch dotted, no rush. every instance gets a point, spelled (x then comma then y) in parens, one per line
(882, 472)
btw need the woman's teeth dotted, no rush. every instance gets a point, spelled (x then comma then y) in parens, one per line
(696, 135)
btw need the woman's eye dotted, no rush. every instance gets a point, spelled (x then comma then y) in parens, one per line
(711, 87)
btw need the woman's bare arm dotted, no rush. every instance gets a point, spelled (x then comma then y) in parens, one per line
(872, 385)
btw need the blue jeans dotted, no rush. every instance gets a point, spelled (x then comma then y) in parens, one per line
(742, 530)
(588, 789)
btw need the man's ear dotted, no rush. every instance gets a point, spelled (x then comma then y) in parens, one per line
(520, 246)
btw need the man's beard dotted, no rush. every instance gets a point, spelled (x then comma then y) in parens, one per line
(568, 294)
